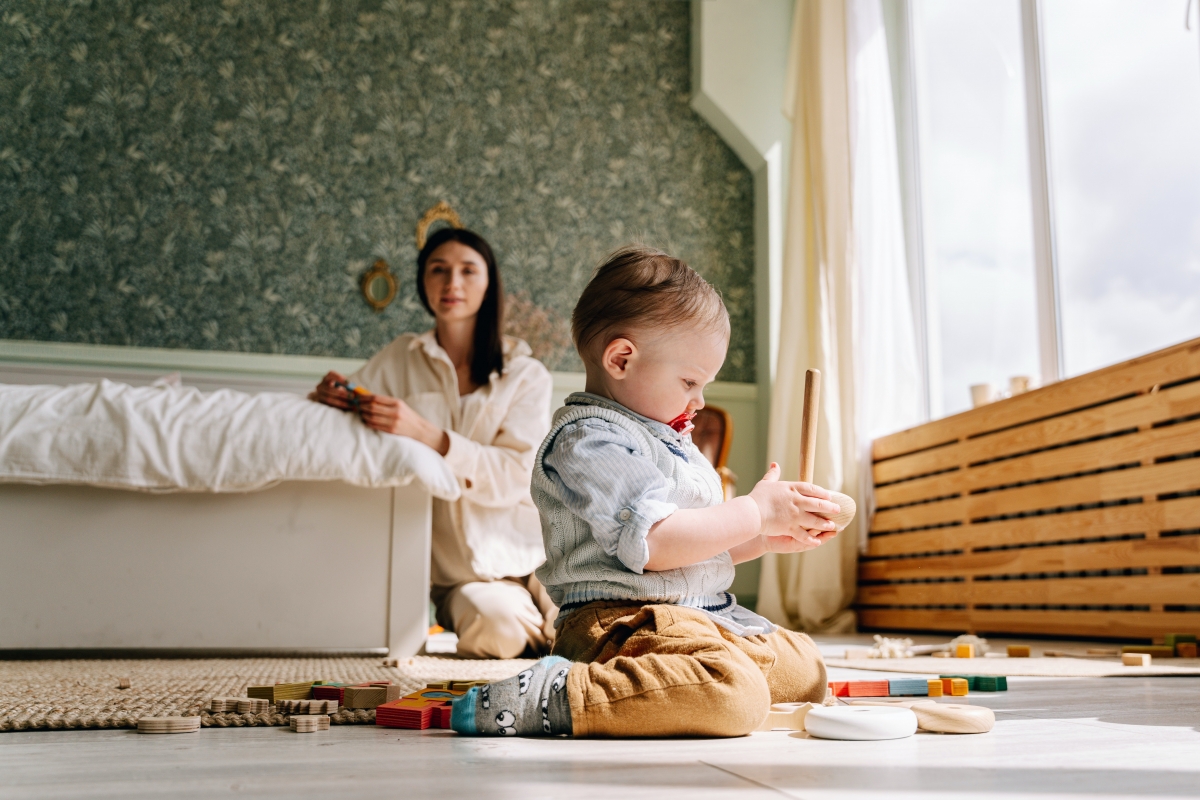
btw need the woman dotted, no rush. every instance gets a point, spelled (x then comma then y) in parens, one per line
(480, 400)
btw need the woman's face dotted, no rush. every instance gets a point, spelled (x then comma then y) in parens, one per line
(456, 280)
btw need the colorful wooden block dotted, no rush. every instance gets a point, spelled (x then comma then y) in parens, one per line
(868, 689)
(1019, 651)
(970, 679)
(1185, 649)
(1173, 639)
(261, 692)
(955, 687)
(840, 688)
(1135, 659)
(991, 683)
(1156, 650)
(964, 651)
(935, 687)
(907, 687)
(291, 691)
(329, 692)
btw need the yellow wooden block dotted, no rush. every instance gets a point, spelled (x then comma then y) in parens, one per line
(1018, 651)
(965, 651)
(1135, 659)
(935, 688)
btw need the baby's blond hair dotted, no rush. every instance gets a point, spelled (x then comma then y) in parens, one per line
(640, 287)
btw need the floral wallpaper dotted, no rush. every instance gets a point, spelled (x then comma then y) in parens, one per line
(218, 174)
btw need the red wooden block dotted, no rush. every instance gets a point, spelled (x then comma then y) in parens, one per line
(868, 689)
(330, 693)
(840, 688)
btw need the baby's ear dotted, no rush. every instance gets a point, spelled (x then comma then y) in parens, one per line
(616, 356)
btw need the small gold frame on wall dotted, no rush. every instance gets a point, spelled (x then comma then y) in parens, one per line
(441, 211)
(379, 286)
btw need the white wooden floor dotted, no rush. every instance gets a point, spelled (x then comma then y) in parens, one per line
(1062, 738)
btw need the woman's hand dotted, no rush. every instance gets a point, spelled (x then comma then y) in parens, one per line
(389, 415)
(791, 514)
(330, 393)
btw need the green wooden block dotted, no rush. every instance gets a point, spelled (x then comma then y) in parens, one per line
(991, 683)
(972, 680)
(1172, 639)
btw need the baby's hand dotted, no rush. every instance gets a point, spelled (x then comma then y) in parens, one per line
(790, 513)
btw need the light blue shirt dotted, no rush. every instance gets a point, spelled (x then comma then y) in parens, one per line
(603, 477)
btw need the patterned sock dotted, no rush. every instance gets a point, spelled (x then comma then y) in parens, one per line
(532, 703)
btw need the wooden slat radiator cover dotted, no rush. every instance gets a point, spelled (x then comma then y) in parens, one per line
(1071, 510)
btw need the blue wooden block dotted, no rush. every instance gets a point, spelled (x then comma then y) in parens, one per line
(908, 686)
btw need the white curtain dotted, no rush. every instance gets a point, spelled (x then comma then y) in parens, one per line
(846, 302)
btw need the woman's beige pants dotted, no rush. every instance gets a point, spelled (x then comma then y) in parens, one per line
(666, 670)
(498, 619)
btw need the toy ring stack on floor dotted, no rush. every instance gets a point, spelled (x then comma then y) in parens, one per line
(860, 723)
(939, 717)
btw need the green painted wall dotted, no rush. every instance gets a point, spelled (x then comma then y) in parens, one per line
(218, 175)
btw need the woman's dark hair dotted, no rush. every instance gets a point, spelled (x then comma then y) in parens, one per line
(488, 352)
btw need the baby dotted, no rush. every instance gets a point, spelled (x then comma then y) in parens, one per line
(640, 547)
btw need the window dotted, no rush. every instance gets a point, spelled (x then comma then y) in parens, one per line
(972, 138)
(1108, 118)
(1123, 102)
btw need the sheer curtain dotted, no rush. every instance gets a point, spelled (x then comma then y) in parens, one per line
(846, 302)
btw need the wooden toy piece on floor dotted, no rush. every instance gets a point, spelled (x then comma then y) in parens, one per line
(123, 683)
(955, 687)
(909, 687)
(983, 683)
(252, 705)
(1185, 650)
(1176, 639)
(329, 691)
(860, 723)
(221, 704)
(897, 702)
(964, 651)
(168, 724)
(261, 692)
(1135, 659)
(1156, 650)
(1019, 651)
(309, 723)
(786, 717)
(438, 685)
(291, 691)
(935, 687)
(407, 712)
(868, 689)
(839, 688)
(953, 717)
(370, 696)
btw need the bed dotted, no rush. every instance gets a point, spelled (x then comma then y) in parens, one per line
(291, 558)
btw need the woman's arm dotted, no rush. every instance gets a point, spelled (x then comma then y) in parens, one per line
(389, 415)
(777, 516)
(330, 393)
(497, 475)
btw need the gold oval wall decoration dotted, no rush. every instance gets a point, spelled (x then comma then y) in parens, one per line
(379, 286)
(441, 211)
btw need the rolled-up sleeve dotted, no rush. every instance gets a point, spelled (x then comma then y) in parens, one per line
(602, 478)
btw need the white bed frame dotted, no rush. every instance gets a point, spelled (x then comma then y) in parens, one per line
(300, 567)
(320, 568)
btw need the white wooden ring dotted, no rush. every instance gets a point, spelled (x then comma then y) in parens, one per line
(860, 723)
(953, 717)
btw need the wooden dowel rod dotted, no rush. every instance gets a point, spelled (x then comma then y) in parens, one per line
(808, 426)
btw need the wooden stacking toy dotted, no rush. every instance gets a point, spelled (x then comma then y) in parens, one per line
(168, 724)
(860, 723)
(808, 447)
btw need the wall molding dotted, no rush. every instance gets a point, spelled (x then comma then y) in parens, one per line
(205, 368)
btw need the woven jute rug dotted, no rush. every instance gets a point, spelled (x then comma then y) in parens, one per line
(68, 694)
(1012, 667)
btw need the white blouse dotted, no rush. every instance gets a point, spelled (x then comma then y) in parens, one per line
(492, 531)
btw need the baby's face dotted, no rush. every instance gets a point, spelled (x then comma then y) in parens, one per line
(661, 375)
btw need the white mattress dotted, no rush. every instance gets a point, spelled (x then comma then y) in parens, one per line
(173, 438)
